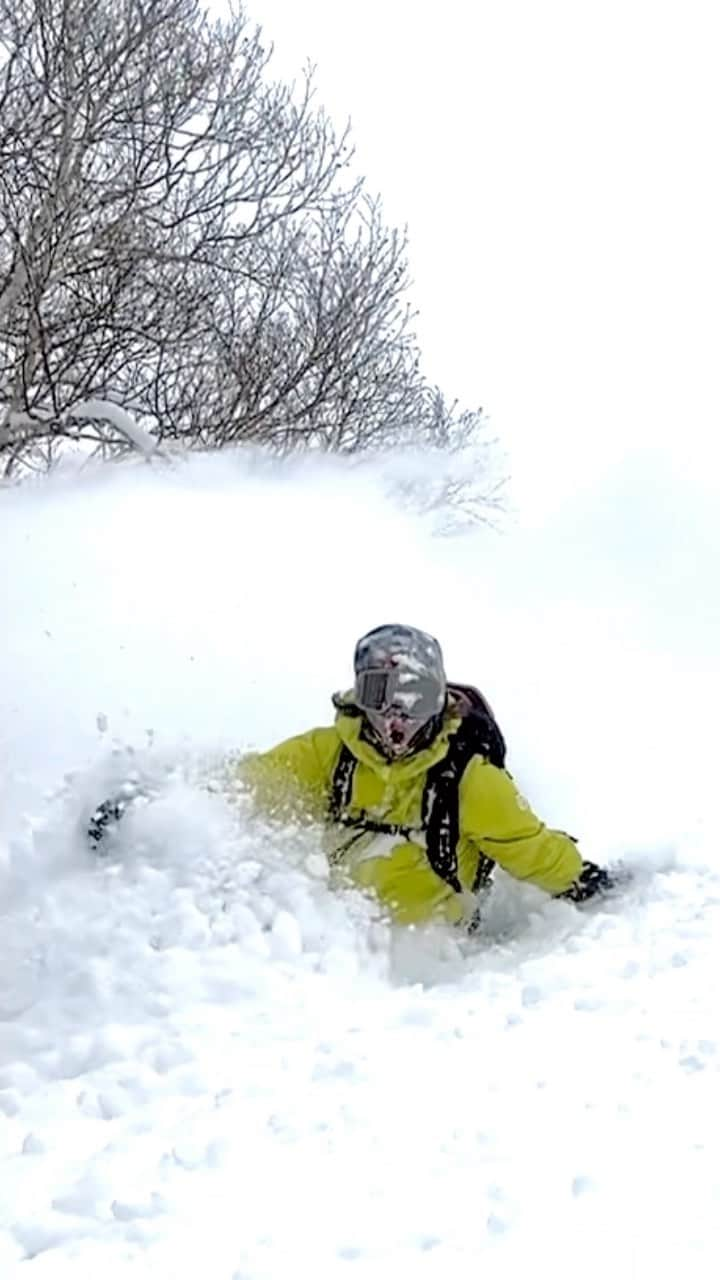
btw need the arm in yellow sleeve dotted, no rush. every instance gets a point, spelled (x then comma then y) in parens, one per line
(498, 819)
(292, 779)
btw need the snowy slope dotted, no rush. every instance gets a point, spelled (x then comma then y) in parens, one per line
(208, 1063)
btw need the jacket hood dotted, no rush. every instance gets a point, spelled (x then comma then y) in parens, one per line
(349, 723)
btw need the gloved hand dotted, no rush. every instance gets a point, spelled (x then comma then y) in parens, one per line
(592, 880)
(104, 819)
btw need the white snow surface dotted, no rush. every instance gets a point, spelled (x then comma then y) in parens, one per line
(212, 1065)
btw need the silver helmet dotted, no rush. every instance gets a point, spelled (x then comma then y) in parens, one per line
(400, 685)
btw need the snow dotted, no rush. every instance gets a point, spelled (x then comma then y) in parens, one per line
(120, 419)
(209, 1061)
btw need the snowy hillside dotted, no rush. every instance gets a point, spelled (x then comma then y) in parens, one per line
(211, 1065)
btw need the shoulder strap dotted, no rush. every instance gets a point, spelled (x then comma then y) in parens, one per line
(341, 784)
(441, 813)
(478, 734)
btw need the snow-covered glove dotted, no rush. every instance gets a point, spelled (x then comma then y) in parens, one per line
(592, 880)
(104, 819)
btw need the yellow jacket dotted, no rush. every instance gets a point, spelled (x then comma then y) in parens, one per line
(294, 779)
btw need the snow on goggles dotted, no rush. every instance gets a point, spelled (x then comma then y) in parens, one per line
(406, 693)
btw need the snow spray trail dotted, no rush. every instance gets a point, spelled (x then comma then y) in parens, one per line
(207, 1060)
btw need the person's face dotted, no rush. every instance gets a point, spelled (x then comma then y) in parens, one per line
(395, 731)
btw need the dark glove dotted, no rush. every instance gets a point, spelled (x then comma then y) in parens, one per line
(592, 880)
(104, 819)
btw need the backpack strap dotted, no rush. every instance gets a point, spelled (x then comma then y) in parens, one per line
(478, 734)
(341, 784)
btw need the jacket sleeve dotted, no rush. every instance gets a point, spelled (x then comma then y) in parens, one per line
(292, 779)
(499, 821)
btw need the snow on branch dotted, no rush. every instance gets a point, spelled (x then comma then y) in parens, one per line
(104, 411)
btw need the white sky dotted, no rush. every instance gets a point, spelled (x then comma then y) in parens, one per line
(556, 165)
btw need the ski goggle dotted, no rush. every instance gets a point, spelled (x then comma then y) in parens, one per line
(406, 693)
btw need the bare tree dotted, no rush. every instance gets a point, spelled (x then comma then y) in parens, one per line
(179, 235)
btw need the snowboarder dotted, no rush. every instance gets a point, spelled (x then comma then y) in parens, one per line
(411, 787)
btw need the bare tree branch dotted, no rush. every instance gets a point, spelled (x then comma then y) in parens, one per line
(180, 235)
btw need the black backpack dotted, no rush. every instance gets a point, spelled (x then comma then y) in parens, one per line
(477, 734)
